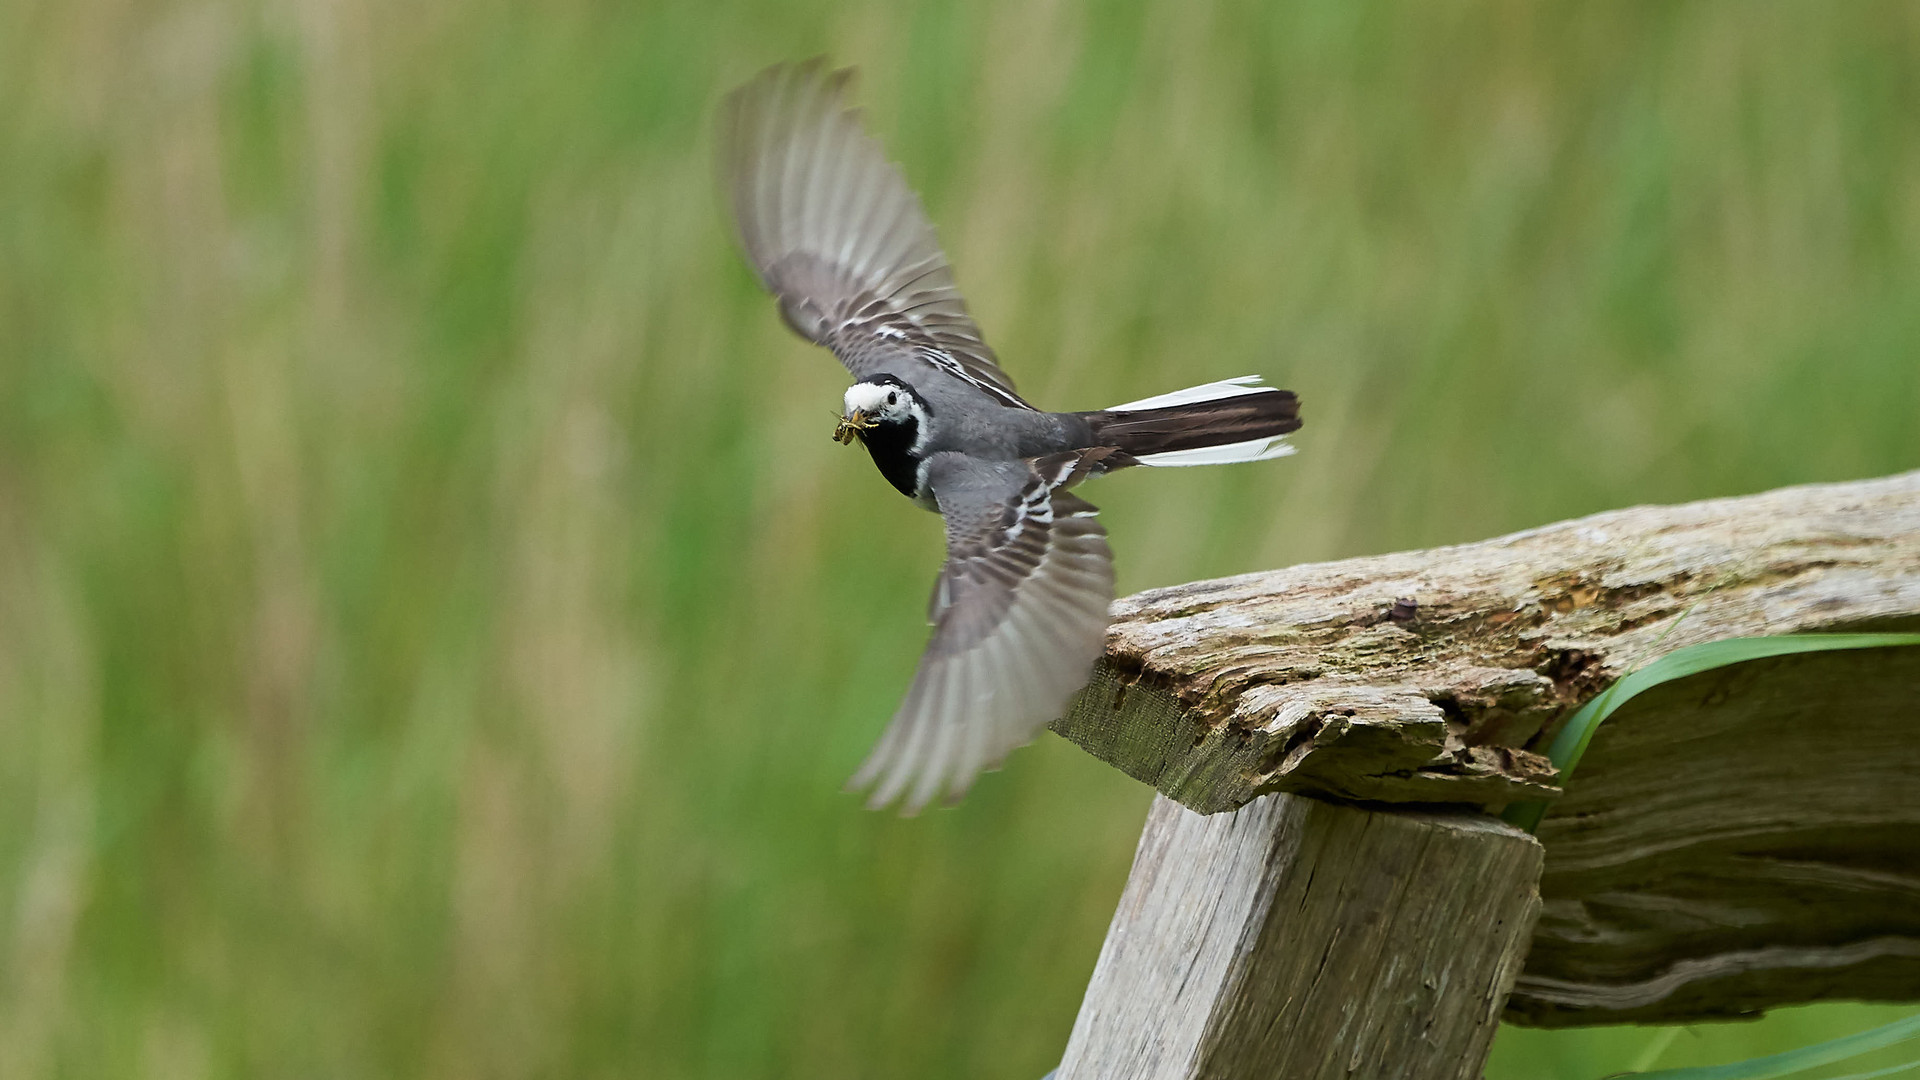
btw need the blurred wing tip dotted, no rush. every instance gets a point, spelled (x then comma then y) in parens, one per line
(815, 70)
(906, 808)
(887, 795)
(785, 89)
(839, 79)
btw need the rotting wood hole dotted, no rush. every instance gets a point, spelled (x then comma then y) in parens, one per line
(1302, 734)
(1449, 705)
(1626, 625)
(1127, 668)
(1575, 672)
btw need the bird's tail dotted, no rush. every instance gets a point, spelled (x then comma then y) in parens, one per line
(1232, 420)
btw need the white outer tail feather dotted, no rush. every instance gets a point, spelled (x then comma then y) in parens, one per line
(1272, 446)
(1213, 391)
(1261, 449)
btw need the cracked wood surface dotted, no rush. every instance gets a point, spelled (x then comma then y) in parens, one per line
(1738, 840)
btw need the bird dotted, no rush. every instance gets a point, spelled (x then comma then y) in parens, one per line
(1020, 608)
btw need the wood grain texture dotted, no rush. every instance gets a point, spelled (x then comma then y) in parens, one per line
(1738, 840)
(1303, 679)
(1745, 838)
(1299, 938)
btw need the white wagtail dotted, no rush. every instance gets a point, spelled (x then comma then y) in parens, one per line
(1019, 611)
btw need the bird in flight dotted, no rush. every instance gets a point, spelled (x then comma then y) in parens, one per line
(1019, 611)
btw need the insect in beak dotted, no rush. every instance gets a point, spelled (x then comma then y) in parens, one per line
(850, 427)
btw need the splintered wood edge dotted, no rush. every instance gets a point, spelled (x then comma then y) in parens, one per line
(1439, 676)
(1368, 745)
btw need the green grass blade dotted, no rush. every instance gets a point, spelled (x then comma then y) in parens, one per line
(1569, 746)
(1888, 1071)
(1806, 1057)
(1571, 743)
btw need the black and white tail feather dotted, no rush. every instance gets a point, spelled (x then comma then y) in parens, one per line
(1019, 611)
(1217, 423)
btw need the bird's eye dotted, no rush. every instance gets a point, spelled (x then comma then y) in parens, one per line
(893, 397)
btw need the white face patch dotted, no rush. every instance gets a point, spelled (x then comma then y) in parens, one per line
(882, 401)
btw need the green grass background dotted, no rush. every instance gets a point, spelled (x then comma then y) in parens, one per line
(435, 624)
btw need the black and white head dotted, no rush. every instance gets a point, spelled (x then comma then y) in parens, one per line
(894, 423)
(884, 408)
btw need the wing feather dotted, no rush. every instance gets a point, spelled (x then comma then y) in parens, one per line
(837, 236)
(961, 699)
(1020, 615)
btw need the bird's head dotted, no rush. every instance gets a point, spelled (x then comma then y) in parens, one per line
(884, 401)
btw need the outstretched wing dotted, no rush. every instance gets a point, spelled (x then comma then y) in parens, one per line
(836, 234)
(1019, 616)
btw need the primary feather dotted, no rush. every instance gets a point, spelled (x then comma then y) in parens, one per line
(837, 235)
(1019, 617)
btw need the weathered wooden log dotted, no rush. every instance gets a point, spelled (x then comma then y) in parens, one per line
(1738, 840)
(1307, 679)
(1298, 938)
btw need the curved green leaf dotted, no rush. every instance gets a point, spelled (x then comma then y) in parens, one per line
(1888, 1071)
(1806, 1057)
(1572, 741)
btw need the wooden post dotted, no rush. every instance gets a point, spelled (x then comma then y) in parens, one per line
(1737, 840)
(1299, 938)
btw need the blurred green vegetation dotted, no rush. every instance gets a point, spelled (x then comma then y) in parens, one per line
(435, 624)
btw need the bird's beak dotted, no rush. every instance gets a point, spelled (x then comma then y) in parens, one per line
(850, 427)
